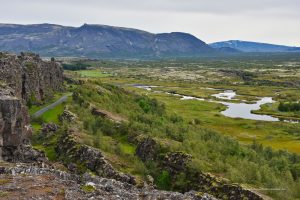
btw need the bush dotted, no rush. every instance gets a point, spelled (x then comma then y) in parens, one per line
(164, 180)
(76, 66)
(289, 106)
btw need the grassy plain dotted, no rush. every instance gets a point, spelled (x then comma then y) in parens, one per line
(197, 80)
(92, 73)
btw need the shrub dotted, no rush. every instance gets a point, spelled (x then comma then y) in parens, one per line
(164, 180)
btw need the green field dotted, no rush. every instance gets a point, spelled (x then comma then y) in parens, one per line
(92, 73)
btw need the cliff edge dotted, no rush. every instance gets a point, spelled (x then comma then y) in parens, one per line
(23, 79)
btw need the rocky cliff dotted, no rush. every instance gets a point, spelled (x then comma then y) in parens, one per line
(31, 78)
(14, 122)
(23, 78)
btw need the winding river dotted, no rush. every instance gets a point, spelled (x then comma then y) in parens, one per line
(234, 110)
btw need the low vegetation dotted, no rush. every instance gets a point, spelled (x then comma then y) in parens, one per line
(289, 106)
(251, 165)
(256, 154)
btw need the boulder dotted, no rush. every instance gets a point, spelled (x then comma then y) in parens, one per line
(49, 128)
(176, 162)
(147, 149)
(26, 154)
(67, 116)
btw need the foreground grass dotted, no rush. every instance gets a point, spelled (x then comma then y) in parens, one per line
(51, 116)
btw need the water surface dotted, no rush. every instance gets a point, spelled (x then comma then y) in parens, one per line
(233, 110)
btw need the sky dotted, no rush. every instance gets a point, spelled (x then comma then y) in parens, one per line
(270, 21)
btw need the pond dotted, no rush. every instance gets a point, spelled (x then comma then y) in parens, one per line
(234, 110)
(243, 110)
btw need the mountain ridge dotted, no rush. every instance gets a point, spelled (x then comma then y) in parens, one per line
(250, 46)
(96, 41)
(104, 41)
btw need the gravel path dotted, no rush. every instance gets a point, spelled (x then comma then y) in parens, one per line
(53, 105)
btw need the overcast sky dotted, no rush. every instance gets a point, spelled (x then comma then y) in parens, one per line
(272, 21)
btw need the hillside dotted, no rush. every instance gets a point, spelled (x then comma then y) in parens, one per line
(98, 41)
(246, 46)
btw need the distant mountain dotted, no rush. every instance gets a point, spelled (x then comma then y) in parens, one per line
(246, 46)
(228, 50)
(96, 41)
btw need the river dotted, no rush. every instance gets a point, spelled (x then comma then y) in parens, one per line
(234, 109)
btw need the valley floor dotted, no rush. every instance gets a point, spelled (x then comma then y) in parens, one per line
(116, 113)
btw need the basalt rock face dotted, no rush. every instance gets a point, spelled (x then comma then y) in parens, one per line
(88, 157)
(29, 76)
(14, 123)
(22, 78)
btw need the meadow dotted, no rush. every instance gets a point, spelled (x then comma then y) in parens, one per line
(255, 154)
(199, 81)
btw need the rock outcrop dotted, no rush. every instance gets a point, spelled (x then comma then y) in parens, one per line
(49, 128)
(67, 116)
(23, 79)
(177, 163)
(29, 76)
(70, 150)
(36, 182)
(147, 149)
(14, 123)
(108, 115)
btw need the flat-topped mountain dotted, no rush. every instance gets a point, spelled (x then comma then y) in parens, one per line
(246, 46)
(96, 41)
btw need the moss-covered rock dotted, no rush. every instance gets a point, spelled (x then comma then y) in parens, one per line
(87, 158)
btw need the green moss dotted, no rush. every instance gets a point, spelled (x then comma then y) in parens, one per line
(88, 188)
(4, 194)
(2, 84)
(4, 181)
